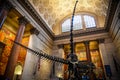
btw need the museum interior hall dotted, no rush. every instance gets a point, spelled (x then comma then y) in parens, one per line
(59, 39)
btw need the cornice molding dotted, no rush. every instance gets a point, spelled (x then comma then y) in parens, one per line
(28, 7)
(110, 13)
(91, 37)
(79, 33)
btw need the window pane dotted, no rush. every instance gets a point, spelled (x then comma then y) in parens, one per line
(66, 25)
(89, 21)
(77, 23)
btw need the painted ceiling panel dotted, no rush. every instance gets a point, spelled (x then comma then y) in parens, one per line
(54, 11)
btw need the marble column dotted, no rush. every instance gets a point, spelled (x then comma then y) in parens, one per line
(87, 51)
(31, 68)
(9, 72)
(103, 53)
(60, 68)
(5, 7)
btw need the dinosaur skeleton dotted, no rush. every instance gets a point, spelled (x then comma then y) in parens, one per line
(75, 67)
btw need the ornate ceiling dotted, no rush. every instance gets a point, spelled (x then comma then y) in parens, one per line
(55, 11)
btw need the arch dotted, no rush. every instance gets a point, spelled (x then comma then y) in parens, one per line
(18, 70)
(81, 21)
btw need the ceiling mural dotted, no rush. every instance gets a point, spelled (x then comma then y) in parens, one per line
(54, 11)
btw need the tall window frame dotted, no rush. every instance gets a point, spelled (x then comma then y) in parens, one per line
(87, 21)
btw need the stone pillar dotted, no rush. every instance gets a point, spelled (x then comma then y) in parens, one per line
(103, 54)
(9, 72)
(87, 51)
(31, 67)
(5, 7)
(60, 67)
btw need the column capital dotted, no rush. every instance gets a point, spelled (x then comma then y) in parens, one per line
(86, 42)
(5, 4)
(34, 31)
(22, 20)
(60, 46)
(101, 40)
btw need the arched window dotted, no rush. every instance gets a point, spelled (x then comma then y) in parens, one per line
(77, 23)
(66, 25)
(80, 22)
(89, 21)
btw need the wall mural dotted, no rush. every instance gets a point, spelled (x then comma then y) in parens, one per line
(23, 51)
(5, 35)
(95, 56)
(82, 56)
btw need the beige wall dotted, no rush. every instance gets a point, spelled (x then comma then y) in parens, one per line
(101, 21)
(31, 71)
(115, 33)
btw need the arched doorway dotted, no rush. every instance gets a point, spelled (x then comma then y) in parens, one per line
(18, 72)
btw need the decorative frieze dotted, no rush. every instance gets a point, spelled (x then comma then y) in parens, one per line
(80, 33)
(83, 38)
